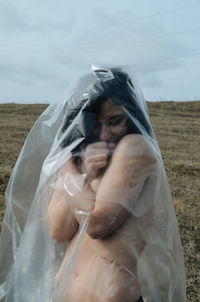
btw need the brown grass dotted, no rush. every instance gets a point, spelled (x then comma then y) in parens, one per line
(177, 127)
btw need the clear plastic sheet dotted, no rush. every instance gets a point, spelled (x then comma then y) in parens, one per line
(89, 211)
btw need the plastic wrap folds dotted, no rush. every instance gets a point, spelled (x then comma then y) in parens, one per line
(89, 211)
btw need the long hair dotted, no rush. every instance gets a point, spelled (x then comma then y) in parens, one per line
(119, 89)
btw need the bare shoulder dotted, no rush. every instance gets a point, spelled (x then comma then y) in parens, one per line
(135, 145)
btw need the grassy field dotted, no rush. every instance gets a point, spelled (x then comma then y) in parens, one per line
(177, 127)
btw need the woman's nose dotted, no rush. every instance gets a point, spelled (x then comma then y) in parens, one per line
(105, 133)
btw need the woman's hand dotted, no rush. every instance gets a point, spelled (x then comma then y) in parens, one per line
(94, 158)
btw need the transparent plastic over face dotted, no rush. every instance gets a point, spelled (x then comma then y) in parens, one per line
(89, 211)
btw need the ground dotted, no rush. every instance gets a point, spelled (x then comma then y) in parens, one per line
(177, 128)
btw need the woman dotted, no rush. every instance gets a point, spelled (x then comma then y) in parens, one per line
(103, 190)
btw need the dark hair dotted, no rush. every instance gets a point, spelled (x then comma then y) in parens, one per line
(106, 84)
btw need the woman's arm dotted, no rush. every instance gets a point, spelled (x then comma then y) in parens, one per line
(70, 191)
(112, 196)
(62, 224)
(121, 185)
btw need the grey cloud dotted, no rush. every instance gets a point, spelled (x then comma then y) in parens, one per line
(145, 45)
(25, 75)
(60, 48)
(14, 16)
(10, 17)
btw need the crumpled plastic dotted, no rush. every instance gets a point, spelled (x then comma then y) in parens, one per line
(118, 240)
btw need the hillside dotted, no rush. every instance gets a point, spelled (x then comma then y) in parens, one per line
(177, 127)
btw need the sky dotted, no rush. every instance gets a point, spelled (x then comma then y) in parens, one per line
(46, 46)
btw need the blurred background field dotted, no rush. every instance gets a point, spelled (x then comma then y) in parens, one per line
(177, 127)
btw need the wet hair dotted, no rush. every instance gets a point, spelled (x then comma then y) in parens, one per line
(118, 87)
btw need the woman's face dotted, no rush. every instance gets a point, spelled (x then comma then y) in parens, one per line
(113, 122)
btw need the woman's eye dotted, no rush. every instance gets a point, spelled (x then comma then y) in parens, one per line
(113, 123)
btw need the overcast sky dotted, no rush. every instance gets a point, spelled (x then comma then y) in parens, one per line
(45, 46)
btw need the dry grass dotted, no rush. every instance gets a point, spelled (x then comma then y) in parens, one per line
(177, 127)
